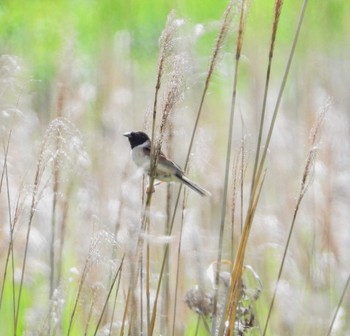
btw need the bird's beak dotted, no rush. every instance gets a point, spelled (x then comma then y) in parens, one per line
(127, 134)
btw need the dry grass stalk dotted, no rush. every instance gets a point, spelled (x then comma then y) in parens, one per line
(55, 189)
(10, 246)
(10, 252)
(166, 46)
(338, 306)
(184, 206)
(277, 14)
(241, 29)
(165, 318)
(174, 93)
(239, 168)
(257, 178)
(115, 300)
(63, 225)
(172, 96)
(117, 274)
(239, 45)
(225, 26)
(237, 271)
(63, 80)
(87, 266)
(13, 220)
(305, 182)
(89, 316)
(92, 257)
(41, 165)
(227, 18)
(279, 97)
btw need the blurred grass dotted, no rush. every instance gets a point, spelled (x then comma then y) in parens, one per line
(38, 32)
(38, 29)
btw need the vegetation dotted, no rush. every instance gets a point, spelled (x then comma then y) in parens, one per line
(249, 97)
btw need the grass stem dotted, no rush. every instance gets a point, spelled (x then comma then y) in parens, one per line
(338, 306)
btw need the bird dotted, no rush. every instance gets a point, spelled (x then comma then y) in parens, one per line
(166, 170)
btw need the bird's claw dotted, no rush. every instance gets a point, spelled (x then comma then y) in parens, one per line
(152, 190)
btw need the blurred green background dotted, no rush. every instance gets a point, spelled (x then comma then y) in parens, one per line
(38, 29)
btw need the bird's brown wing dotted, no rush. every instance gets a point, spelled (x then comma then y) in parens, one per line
(165, 165)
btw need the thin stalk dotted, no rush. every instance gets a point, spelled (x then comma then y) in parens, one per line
(178, 261)
(242, 185)
(18, 210)
(81, 283)
(115, 304)
(10, 247)
(148, 291)
(131, 300)
(338, 306)
(166, 39)
(116, 229)
(61, 97)
(109, 294)
(87, 266)
(224, 202)
(165, 257)
(10, 250)
(146, 212)
(303, 189)
(127, 302)
(227, 18)
(12, 223)
(237, 270)
(228, 164)
(146, 220)
(286, 247)
(218, 44)
(164, 323)
(53, 224)
(65, 210)
(280, 93)
(33, 206)
(172, 97)
(278, 8)
(141, 294)
(236, 275)
(139, 271)
(141, 266)
(239, 169)
(90, 314)
(206, 325)
(197, 325)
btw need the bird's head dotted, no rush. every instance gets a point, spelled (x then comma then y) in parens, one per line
(136, 138)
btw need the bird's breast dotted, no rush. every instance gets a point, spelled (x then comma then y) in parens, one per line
(140, 159)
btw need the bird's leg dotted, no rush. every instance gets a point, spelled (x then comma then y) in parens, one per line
(149, 190)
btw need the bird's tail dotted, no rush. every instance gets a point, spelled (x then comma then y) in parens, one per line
(193, 186)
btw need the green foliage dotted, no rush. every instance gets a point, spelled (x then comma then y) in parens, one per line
(39, 29)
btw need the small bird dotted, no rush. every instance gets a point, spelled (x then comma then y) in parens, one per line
(166, 170)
